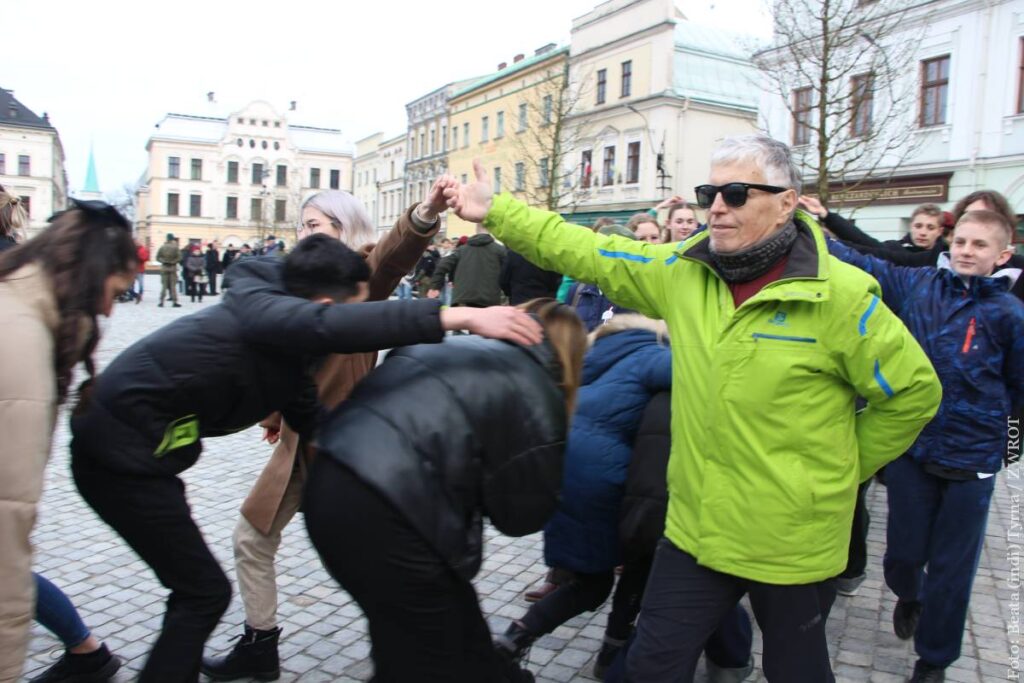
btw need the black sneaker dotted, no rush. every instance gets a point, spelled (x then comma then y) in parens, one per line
(514, 643)
(905, 618)
(98, 666)
(927, 673)
(610, 649)
(253, 656)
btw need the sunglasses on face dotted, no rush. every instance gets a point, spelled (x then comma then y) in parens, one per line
(733, 194)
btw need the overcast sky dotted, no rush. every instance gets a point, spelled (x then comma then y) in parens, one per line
(107, 71)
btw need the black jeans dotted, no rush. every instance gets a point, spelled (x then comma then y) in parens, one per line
(857, 563)
(685, 602)
(152, 515)
(424, 619)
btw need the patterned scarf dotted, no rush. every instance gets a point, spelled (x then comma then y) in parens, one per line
(756, 260)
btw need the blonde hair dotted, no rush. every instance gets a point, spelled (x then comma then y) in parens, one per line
(568, 338)
(13, 216)
(630, 321)
(346, 213)
(638, 219)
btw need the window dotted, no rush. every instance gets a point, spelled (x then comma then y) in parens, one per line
(256, 209)
(197, 169)
(282, 175)
(627, 78)
(520, 176)
(336, 177)
(802, 116)
(455, 137)
(423, 144)
(602, 84)
(280, 207)
(548, 105)
(231, 210)
(862, 94)
(195, 205)
(585, 169)
(3, 164)
(633, 162)
(609, 166)
(522, 117)
(314, 177)
(257, 174)
(444, 138)
(172, 203)
(26, 202)
(173, 167)
(499, 127)
(433, 141)
(464, 178)
(24, 165)
(1020, 83)
(934, 90)
(232, 171)
(465, 135)
(484, 129)
(412, 147)
(543, 172)
(497, 179)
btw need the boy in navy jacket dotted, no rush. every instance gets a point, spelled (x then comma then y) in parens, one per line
(939, 491)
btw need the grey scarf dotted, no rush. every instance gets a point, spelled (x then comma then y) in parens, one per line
(756, 260)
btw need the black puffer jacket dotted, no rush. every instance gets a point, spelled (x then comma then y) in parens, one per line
(642, 515)
(233, 364)
(522, 281)
(449, 433)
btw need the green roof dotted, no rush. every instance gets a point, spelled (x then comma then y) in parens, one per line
(714, 66)
(516, 67)
(91, 182)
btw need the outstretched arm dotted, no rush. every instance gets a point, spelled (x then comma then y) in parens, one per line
(630, 273)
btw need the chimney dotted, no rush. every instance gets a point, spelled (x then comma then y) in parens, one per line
(502, 65)
(545, 48)
(518, 58)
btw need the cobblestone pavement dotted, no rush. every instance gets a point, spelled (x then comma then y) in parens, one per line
(324, 632)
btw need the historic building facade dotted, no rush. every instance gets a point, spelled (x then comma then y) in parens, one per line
(31, 161)
(236, 179)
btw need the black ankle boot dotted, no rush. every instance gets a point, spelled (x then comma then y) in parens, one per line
(93, 667)
(515, 642)
(254, 655)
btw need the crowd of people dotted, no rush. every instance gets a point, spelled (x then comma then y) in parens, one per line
(694, 411)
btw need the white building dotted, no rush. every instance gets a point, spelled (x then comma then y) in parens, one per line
(391, 188)
(365, 169)
(236, 179)
(656, 93)
(31, 161)
(968, 118)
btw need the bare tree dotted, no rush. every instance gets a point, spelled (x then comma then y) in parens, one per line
(844, 71)
(548, 145)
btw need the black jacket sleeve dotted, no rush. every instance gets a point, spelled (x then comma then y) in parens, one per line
(304, 412)
(902, 257)
(268, 315)
(845, 230)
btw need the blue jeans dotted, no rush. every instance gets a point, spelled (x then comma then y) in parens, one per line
(938, 523)
(56, 613)
(404, 290)
(140, 283)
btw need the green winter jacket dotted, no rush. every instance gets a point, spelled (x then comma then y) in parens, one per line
(475, 272)
(767, 450)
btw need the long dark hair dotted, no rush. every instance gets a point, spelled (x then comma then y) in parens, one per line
(80, 249)
(994, 201)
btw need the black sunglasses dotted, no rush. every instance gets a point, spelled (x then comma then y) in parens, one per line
(733, 194)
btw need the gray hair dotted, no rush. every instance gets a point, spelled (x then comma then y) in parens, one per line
(346, 213)
(771, 156)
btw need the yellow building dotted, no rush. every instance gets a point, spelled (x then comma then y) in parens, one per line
(509, 120)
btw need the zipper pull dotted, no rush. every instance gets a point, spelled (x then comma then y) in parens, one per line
(970, 337)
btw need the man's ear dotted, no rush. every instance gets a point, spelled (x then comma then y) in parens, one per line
(1004, 256)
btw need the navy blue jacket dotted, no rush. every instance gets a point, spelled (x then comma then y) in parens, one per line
(620, 374)
(974, 335)
(591, 304)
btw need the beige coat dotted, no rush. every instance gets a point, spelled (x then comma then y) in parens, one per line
(28, 402)
(389, 260)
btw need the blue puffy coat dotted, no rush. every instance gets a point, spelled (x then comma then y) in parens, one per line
(620, 374)
(974, 336)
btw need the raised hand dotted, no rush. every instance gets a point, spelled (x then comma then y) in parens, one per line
(674, 199)
(472, 201)
(813, 206)
(435, 203)
(497, 322)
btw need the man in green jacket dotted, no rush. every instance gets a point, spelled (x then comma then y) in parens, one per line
(169, 256)
(772, 341)
(474, 270)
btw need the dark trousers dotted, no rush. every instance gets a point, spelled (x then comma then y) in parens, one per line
(857, 563)
(940, 524)
(685, 602)
(424, 620)
(213, 282)
(152, 515)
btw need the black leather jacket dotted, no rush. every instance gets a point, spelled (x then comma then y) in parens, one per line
(451, 432)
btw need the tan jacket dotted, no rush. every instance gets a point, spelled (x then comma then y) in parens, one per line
(389, 260)
(28, 402)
